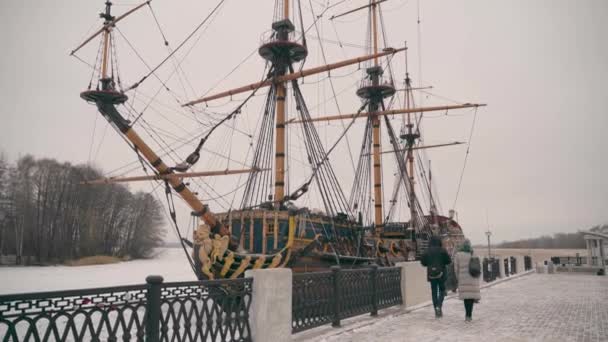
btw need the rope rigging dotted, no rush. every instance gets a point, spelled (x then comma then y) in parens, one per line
(259, 181)
(137, 84)
(360, 196)
(332, 195)
(171, 205)
(333, 89)
(172, 154)
(466, 156)
(419, 220)
(195, 155)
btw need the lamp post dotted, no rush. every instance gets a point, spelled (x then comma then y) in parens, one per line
(2, 217)
(488, 234)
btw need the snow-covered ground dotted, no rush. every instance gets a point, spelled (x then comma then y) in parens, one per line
(171, 263)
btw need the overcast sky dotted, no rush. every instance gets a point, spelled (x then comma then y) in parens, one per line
(538, 162)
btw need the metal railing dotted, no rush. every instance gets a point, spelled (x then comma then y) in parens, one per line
(321, 298)
(157, 311)
(527, 262)
(573, 260)
(491, 269)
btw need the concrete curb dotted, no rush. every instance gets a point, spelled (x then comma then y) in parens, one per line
(358, 322)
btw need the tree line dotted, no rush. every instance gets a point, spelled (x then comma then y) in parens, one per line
(558, 241)
(51, 217)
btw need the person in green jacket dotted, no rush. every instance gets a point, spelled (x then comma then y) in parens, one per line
(468, 286)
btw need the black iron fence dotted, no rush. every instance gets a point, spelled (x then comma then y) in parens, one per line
(527, 262)
(185, 311)
(573, 260)
(327, 297)
(491, 269)
(513, 265)
(78, 315)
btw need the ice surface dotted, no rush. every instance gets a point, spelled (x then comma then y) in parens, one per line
(171, 263)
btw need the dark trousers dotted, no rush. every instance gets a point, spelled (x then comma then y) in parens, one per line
(437, 291)
(468, 307)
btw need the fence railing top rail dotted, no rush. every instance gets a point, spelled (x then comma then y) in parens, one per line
(319, 273)
(349, 270)
(210, 283)
(389, 268)
(70, 293)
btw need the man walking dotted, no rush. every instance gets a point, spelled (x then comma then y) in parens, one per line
(436, 258)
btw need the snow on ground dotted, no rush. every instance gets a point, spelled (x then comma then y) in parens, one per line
(171, 263)
(536, 308)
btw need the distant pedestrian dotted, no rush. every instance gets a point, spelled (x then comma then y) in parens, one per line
(436, 258)
(468, 285)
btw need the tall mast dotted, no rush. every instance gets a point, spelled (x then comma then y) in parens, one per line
(373, 107)
(282, 53)
(375, 93)
(410, 138)
(375, 29)
(108, 97)
(279, 156)
(108, 18)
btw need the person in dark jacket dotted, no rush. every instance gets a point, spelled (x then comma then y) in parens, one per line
(436, 258)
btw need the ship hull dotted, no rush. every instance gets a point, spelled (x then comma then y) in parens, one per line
(259, 239)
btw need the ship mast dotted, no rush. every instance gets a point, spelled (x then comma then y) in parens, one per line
(107, 97)
(282, 29)
(373, 106)
(106, 40)
(375, 92)
(281, 51)
(410, 138)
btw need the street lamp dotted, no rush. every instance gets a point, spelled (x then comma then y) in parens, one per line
(488, 234)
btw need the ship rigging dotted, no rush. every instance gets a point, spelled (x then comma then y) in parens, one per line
(268, 228)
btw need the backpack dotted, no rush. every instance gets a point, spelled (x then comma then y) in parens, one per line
(474, 267)
(435, 272)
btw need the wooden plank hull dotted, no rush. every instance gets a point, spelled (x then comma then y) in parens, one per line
(306, 243)
(275, 238)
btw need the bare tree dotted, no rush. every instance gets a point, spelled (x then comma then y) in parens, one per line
(56, 218)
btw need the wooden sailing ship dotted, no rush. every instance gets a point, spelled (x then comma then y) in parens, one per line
(269, 229)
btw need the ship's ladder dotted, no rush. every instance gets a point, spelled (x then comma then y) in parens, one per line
(421, 246)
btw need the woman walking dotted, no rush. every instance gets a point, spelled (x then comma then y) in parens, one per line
(468, 286)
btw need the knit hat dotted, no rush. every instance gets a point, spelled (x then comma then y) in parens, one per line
(466, 246)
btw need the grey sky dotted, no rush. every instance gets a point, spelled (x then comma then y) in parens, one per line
(537, 162)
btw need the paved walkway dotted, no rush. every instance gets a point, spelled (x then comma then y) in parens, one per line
(538, 307)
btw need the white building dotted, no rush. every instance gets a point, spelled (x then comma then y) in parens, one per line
(597, 246)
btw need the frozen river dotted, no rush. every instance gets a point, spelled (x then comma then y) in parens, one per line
(171, 263)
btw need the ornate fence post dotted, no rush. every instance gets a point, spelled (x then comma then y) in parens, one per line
(374, 280)
(335, 270)
(153, 308)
